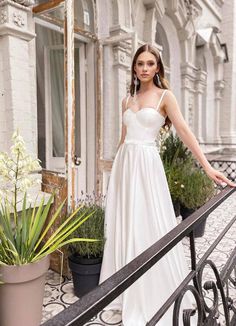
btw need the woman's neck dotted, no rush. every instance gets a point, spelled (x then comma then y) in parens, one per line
(145, 87)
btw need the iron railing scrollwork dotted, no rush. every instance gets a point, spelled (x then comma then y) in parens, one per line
(227, 167)
(207, 315)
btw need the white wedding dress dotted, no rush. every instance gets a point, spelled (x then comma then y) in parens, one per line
(139, 211)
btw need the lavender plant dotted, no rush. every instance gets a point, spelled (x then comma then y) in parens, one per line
(92, 228)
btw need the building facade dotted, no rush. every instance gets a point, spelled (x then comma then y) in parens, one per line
(197, 42)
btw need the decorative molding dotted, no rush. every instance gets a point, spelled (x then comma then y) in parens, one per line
(5, 29)
(159, 7)
(191, 110)
(3, 16)
(214, 7)
(200, 83)
(26, 3)
(11, 3)
(219, 88)
(120, 57)
(18, 20)
(193, 9)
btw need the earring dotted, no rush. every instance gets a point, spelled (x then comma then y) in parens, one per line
(135, 87)
(158, 79)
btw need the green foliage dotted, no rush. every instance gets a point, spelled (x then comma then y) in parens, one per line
(23, 241)
(174, 152)
(92, 228)
(23, 232)
(188, 184)
(174, 175)
(198, 188)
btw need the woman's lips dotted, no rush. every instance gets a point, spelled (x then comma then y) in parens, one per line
(144, 75)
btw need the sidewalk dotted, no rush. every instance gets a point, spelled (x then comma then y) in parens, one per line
(59, 296)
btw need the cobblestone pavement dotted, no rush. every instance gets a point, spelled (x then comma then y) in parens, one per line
(59, 295)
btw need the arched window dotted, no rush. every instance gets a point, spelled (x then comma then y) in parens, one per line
(163, 45)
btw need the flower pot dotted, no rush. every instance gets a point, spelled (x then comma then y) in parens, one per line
(22, 293)
(85, 273)
(200, 229)
(176, 206)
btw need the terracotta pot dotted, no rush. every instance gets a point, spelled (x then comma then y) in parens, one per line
(21, 295)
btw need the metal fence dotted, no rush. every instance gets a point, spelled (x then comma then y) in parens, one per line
(227, 167)
(89, 305)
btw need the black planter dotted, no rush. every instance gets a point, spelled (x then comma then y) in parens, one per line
(176, 206)
(200, 229)
(85, 273)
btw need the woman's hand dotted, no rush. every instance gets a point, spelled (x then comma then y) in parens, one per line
(219, 177)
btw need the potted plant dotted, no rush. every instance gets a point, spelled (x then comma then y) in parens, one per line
(174, 175)
(175, 157)
(198, 189)
(86, 258)
(24, 245)
(190, 187)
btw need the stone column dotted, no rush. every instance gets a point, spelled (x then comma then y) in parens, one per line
(120, 68)
(17, 74)
(228, 112)
(154, 10)
(200, 86)
(219, 87)
(188, 73)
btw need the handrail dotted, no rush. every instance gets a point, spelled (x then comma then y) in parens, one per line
(89, 305)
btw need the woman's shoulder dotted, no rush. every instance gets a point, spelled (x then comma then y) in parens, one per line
(167, 94)
(125, 102)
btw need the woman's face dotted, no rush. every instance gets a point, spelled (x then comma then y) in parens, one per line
(146, 66)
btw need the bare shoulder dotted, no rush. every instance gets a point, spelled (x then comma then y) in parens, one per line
(125, 102)
(169, 96)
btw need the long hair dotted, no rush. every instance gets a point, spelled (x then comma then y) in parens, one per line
(163, 82)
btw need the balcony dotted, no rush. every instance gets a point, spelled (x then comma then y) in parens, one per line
(221, 223)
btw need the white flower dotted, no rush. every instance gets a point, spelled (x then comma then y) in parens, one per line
(182, 186)
(16, 169)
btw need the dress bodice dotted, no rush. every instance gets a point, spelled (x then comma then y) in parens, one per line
(142, 125)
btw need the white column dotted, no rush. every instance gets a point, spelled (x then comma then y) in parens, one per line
(188, 75)
(120, 88)
(200, 86)
(17, 95)
(228, 111)
(219, 87)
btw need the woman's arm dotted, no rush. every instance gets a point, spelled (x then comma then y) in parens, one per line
(172, 109)
(123, 131)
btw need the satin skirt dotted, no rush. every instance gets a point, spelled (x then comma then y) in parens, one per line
(139, 212)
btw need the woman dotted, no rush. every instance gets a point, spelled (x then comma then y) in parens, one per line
(139, 210)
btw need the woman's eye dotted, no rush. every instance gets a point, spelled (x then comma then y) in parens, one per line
(140, 64)
(151, 63)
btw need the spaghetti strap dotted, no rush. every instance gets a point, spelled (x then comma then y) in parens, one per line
(162, 95)
(127, 100)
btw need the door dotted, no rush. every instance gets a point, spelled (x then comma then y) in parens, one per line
(50, 102)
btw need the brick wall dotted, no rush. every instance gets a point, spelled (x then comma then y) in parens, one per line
(54, 183)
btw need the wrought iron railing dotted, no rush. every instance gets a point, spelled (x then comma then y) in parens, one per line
(89, 305)
(227, 167)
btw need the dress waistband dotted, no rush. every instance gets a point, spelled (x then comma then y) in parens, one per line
(140, 142)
